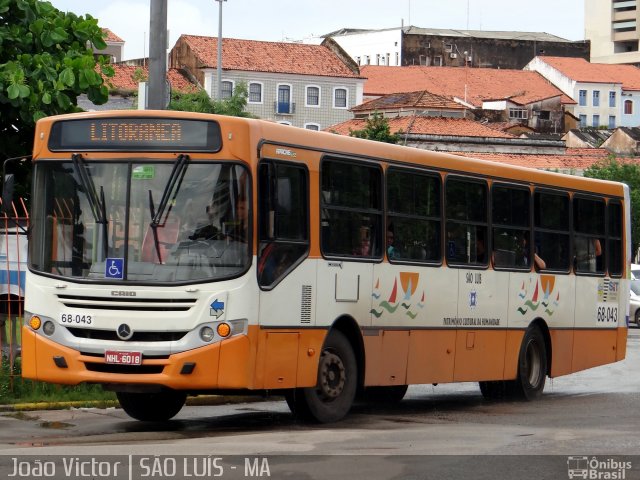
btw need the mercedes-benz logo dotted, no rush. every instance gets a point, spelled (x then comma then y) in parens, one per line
(124, 332)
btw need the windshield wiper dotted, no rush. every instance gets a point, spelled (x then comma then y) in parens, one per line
(97, 203)
(173, 186)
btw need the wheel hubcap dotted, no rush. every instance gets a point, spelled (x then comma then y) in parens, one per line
(332, 375)
(532, 358)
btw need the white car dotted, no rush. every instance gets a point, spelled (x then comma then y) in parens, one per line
(634, 302)
(635, 271)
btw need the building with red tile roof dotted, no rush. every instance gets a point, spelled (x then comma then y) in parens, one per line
(297, 84)
(411, 103)
(115, 46)
(509, 94)
(127, 77)
(605, 95)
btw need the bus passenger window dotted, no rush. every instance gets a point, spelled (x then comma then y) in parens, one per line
(551, 223)
(413, 219)
(466, 229)
(511, 227)
(351, 210)
(282, 221)
(615, 252)
(588, 237)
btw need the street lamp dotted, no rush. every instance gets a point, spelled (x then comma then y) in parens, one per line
(219, 70)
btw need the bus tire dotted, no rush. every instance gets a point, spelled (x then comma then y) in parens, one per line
(532, 366)
(152, 407)
(385, 395)
(332, 397)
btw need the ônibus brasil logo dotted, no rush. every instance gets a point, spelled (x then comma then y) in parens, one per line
(597, 469)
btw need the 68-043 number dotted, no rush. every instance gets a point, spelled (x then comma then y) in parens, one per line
(76, 319)
(608, 314)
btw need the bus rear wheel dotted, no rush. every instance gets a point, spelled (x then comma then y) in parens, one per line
(532, 366)
(152, 407)
(332, 397)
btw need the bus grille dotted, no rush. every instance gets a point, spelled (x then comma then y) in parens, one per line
(127, 369)
(305, 313)
(129, 303)
(111, 335)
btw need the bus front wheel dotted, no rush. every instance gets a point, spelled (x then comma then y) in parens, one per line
(152, 407)
(532, 365)
(332, 397)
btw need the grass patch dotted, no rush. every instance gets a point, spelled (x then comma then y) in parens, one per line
(15, 389)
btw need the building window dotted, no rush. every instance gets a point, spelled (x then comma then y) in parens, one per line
(596, 98)
(448, 47)
(313, 96)
(378, 59)
(312, 126)
(255, 93)
(628, 107)
(596, 121)
(397, 58)
(340, 98)
(583, 121)
(367, 59)
(284, 105)
(388, 59)
(226, 89)
(358, 60)
(582, 98)
(612, 122)
(612, 99)
(544, 115)
(518, 113)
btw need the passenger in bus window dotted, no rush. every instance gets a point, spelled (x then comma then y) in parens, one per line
(392, 250)
(363, 249)
(524, 253)
(587, 253)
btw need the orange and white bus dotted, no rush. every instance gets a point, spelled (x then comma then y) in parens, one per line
(176, 254)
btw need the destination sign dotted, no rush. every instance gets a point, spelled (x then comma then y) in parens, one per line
(135, 134)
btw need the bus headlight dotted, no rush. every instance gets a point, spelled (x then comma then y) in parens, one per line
(49, 327)
(207, 334)
(35, 322)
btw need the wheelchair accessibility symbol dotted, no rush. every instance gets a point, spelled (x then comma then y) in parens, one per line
(114, 268)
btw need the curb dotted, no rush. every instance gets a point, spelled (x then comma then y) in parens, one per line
(202, 400)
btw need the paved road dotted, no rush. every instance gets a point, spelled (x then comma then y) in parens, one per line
(594, 412)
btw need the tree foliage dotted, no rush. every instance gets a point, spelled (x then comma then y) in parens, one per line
(377, 128)
(201, 102)
(46, 62)
(628, 173)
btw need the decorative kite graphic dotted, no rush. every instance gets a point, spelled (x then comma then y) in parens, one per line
(546, 283)
(405, 298)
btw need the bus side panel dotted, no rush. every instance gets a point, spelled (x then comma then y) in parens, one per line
(481, 336)
(287, 359)
(431, 356)
(479, 355)
(561, 352)
(594, 347)
(512, 352)
(236, 360)
(395, 349)
(373, 356)
(621, 351)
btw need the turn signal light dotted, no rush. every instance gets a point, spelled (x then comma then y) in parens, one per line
(35, 322)
(224, 330)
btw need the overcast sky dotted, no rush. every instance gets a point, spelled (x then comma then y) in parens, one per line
(278, 20)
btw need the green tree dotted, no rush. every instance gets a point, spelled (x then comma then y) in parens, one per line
(46, 62)
(201, 102)
(377, 128)
(625, 172)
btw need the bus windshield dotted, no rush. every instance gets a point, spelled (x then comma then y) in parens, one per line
(151, 222)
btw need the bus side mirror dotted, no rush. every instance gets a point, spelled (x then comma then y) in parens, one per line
(7, 192)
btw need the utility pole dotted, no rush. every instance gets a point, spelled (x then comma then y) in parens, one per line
(158, 55)
(219, 69)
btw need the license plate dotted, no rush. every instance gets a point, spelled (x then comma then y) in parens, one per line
(123, 358)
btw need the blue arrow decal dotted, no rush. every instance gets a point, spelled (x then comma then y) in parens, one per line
(217, 305)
